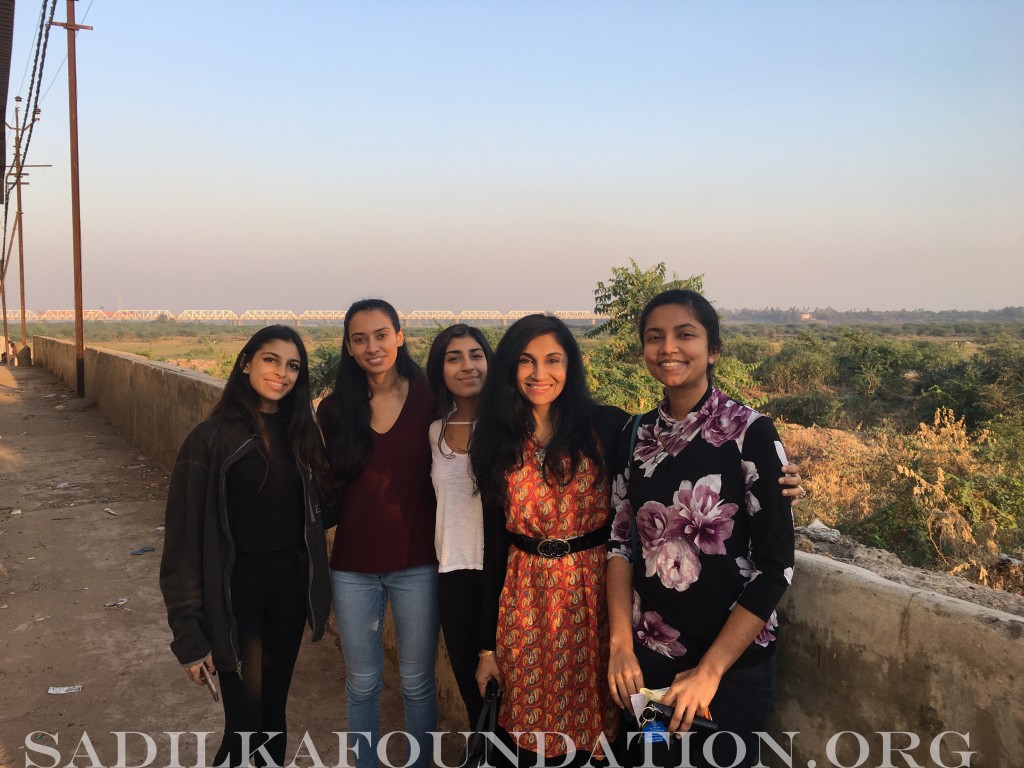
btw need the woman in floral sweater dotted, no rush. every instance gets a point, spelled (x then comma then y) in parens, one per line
(702, 542)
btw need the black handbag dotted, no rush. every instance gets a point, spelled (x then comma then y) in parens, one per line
(479, 748)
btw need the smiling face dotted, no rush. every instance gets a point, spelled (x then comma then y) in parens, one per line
(273, 371)
(465, 367)
(540, 377)
(676, 348)
(373, 341)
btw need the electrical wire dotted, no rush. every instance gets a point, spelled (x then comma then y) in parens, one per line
(28, 119)
(42, 38)
(42, 13)
(60, 67)
(31, 105)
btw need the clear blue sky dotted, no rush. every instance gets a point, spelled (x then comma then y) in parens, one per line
(506, 155)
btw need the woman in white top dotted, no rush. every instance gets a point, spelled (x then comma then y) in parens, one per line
(456, 370)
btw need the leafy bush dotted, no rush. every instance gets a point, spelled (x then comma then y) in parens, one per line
(823, 409)
(323, 368)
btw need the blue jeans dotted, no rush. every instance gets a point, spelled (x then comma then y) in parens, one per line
(360, 600)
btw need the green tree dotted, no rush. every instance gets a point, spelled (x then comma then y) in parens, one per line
(617, 374)
(622, 298)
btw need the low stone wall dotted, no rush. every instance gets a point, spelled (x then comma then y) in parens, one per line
(864, 655)
(863, 662)
(154, 404)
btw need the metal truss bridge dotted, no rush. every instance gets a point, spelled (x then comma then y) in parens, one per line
(418, 317)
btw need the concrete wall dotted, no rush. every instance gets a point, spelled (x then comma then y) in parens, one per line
(154, 404)
(857, 653)
(860, 653)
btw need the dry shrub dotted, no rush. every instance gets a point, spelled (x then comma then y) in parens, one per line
(895, 482)
(933, 460)
(842, 473)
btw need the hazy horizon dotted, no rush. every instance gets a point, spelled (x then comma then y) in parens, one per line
(451, 155)
(239, 310)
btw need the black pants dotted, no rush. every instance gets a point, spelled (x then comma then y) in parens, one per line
(741, 707)
(268, 598)
(459, 596)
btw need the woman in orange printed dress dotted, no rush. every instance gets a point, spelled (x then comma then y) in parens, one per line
(538, 454)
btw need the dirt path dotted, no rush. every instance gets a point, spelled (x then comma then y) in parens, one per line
(76, 500)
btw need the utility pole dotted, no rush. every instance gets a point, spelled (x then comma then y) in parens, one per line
(76, 216)
(3, 299)
(18, 221)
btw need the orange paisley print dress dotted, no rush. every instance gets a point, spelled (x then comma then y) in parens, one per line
(552, 635)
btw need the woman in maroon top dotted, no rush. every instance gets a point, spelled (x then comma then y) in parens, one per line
(375, 425)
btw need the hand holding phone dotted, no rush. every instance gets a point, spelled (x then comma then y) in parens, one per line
(207, 677)
(699, 723)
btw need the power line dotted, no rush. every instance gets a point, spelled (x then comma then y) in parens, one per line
(35, 66)
(42, 12)
(28, 121)
(42, 38)
(60, 67)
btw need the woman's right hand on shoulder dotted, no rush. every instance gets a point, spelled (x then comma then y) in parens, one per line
(192, 671)
(486, 670)
(624, 676)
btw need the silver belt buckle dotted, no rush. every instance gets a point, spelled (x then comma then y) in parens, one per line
(552, 548)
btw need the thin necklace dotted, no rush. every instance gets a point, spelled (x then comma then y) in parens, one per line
(459, 423)
(444, 435)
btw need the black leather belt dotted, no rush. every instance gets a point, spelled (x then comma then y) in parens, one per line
(552, 548)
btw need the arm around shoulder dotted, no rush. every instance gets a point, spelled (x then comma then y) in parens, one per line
(771, 520)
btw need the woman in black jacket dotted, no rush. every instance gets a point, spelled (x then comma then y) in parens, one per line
(245, 563)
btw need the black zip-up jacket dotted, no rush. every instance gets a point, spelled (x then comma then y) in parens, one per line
(199, 553)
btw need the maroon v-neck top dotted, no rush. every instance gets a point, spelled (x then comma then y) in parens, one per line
(386, 520)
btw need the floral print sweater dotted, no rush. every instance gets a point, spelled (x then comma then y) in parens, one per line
(700, 515)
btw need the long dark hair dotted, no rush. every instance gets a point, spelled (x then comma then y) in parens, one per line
(240, 404)
(506, 417)
(347, 424)
(701, 308)
(435, 369)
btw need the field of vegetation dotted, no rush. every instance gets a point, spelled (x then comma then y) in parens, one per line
(909, 427)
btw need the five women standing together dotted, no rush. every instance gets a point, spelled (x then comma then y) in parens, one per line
(503, 475)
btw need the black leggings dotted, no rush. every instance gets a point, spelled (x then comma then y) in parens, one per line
(459, 596)
(268, 598)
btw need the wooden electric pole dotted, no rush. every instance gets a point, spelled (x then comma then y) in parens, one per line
(76, 216)
(19, 173)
